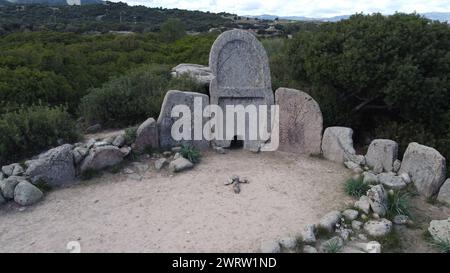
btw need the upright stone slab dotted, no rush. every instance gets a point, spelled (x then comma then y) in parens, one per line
(381, 155)
(425, 166)
(242, 77)
(337, 144)
(165, 119)
(301, 122)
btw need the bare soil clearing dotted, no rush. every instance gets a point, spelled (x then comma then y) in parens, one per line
(191, 211)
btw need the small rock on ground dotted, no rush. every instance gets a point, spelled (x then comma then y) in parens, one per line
(270, 247)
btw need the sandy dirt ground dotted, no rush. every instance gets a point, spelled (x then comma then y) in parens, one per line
(193, 211)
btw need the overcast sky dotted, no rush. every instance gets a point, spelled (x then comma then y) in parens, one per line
(310, 8)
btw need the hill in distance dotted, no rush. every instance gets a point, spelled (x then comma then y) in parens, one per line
(53, 2)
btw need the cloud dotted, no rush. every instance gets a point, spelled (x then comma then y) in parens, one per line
(310, 8)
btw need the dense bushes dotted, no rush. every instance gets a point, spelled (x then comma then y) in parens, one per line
(132, 98)
(379, 73)
(33, 129)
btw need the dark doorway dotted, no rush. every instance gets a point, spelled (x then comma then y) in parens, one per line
(236, 143)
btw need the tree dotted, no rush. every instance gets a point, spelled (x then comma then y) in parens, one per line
(172, 30)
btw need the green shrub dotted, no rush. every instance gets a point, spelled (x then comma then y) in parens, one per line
(398, 203)
(356, 187)
(130, 134)
(31, 130)
(333, 245)
(190, 153)
(132, 98)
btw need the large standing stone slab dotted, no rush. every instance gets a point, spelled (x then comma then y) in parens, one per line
(166, 121)
(56, 167)
(425, 166)
(146, 136)
(337, 144)
(242, 77)
(301, 122)
(381, 155)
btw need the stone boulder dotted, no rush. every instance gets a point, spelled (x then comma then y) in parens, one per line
(370, 178)
(102, 157)
(146, 136)
(8, 185)
(363, 204)
(27, 194)
(160, 163)
(378, 199)
(12, 170)
(440, 230)
(166, 121)
(307, 234)
(425, 166)
(56, 167)
(329, 220)
(119, 140)
(301, 122)
(378, 228)
(180, 164)
(444, 193)
(202, 74)
(350, 214)
(381, 155)
(79, 153)
(391, 181)
(337, 144)
(288, 243)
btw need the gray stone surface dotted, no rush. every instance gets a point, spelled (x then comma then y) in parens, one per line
(79, 153)
(397, 165)
(370, 178)
(2, 199)
(56, 167)
(102, 157)
(400, 219)
(357, 225)
(307, 234)
(27, 194)
(350, 214)
(289, 243)
(160, 163)
(309, 249)
(242, 77)
(165, 120)
(337, 144)
(180, 164)
(391, 181)
(425, 166)
(440, 230)
(378, 228)
(8, 185)
(202, 74)
(329, 220)
(363, 204)
(119, 140)
(12, 170)
(301, 122)
(270, 247)
(355, 168)
(378, 199)
(444, 193)
(146, 136)
(381, 155)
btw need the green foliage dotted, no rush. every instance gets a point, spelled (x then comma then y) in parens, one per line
(398, 203)
(190, 153)
(390, 243)
(356, 187)
(30, 130)
(133, 97)
(333, 245)
(442, 245)
(374, 70)
(172, 30)
(130, 135)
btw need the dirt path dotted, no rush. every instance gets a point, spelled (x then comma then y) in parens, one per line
(188, 212)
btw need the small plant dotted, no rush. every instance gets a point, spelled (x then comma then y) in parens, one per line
(442, 245)
(190, 153)
(398, 204)
(130, 135)
(333, 245)
(356, 187)
(322, 232)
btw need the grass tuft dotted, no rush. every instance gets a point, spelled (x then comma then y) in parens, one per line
(356, 187)
(190, 153)
(398, 203)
